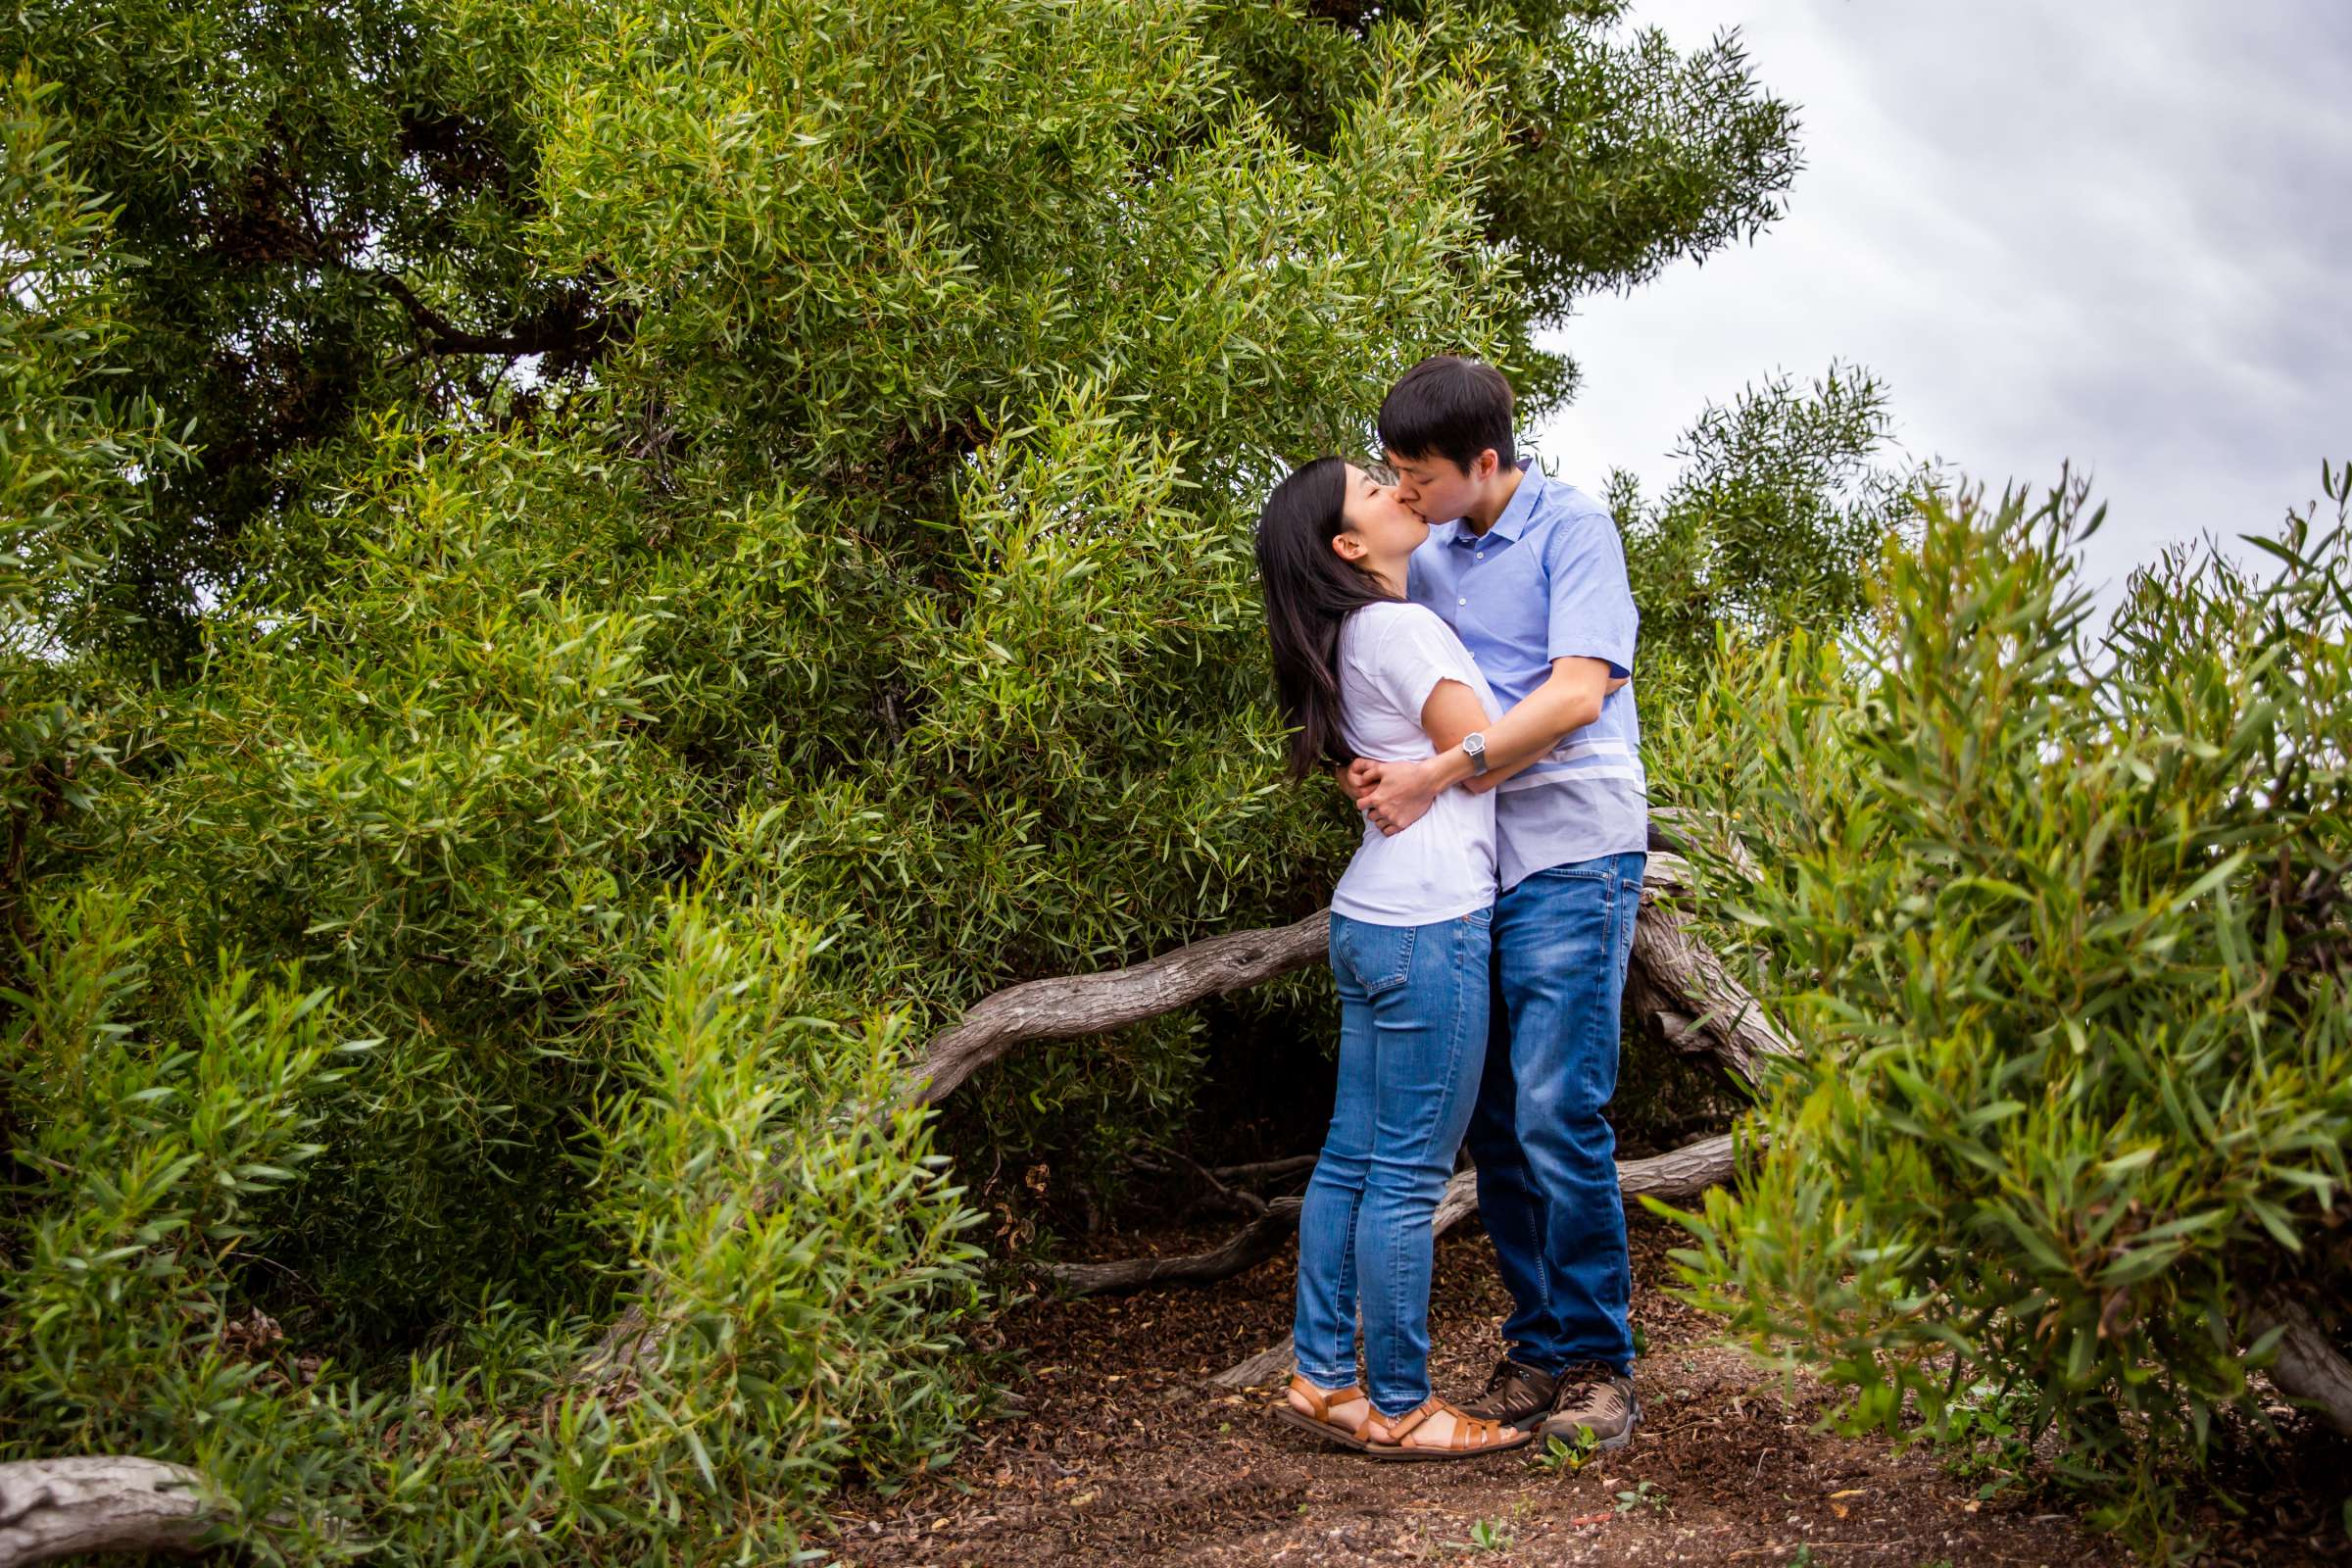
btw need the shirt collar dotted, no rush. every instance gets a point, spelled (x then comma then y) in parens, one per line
(1515, 516)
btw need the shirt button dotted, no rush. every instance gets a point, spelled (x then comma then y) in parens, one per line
(1461, 600)
(1482, 555)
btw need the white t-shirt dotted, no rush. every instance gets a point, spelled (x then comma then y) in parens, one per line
(1392, 657)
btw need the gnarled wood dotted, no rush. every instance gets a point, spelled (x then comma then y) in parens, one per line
(1069, 1006)
(1677, 984)
(1679, 1173)
(1673, 968)
(51, 1508)
(2309, 1367)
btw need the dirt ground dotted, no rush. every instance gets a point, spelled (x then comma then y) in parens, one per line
(1122, 1454)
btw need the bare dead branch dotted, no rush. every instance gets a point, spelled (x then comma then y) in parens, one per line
(1265, 1170)
(1248, 1248)
(1674, 973)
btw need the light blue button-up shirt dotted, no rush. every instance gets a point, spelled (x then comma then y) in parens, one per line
(1548, 581)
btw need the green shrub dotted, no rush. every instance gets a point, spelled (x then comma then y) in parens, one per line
(2058, 917)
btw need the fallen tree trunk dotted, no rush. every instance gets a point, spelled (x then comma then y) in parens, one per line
(51, 1508)
(1681, 1173)
(1673, 968)
(1677, 1173)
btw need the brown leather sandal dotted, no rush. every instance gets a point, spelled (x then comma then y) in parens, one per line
(1385, 1438)
(1318, 1417)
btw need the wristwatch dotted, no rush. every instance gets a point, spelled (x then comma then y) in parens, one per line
(1474, 747)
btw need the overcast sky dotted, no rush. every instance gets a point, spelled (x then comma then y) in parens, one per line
(2118, 231)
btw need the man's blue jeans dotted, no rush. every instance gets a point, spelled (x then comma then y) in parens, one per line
(1546, 1156)
(1413, 1005)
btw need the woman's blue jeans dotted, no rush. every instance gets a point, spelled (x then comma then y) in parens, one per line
(1413, 1005)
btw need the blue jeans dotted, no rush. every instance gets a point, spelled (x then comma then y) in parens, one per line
(1546, 1156)
(1413, 1042)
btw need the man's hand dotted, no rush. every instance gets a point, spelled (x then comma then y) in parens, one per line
(1358, 779)
(1399, 793)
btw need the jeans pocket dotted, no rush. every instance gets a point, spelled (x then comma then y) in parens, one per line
(1378, 958)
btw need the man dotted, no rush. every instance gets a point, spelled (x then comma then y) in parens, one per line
(1530, 573)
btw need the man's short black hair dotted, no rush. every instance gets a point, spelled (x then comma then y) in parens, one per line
(1452, 407)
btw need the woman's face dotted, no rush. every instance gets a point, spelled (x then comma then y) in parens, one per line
(1380, 529)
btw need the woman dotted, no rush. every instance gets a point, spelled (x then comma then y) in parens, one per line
(1363, 673)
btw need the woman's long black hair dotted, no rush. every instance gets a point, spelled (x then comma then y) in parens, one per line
(1309, 591)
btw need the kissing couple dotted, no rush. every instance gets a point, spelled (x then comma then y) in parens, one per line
(1458, 646)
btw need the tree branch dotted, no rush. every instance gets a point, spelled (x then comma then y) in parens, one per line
(1678, 977)
(1248, 1248)
(52, 1508)
(2309, 1367)
(1068, 1008)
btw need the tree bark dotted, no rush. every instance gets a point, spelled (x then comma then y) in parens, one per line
(2309, 1368)
(1677, 1173)
(1069, 1006)
(1680, 987)
(1673, 970)
(52, 1508)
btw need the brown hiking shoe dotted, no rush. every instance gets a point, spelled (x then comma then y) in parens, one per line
(1515, 1396)
(1594, 1399)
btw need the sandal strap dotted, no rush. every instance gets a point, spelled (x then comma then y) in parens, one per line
(1470, 1433)
(1475, 1432)
(1322, 1399)
(1397, 1431)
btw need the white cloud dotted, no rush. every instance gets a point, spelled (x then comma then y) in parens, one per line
(2110, 230)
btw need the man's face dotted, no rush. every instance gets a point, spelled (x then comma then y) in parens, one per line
(1434, 486)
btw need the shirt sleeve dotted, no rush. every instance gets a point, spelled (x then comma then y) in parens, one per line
(1416, 652)
(1593, 615)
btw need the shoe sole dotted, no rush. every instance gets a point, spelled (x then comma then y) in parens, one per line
(1565, 1431)
(1338, 1436)
(1410, 1453)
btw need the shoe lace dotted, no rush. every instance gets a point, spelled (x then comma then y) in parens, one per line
(1504, 1371)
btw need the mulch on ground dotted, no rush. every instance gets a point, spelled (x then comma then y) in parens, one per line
(1121, 1454)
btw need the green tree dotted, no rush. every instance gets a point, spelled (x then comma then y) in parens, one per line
(1776, 522)
(699, 538)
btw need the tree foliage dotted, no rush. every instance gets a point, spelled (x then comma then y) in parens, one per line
(2059, 912)
(1776, 523)
(578, 574)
